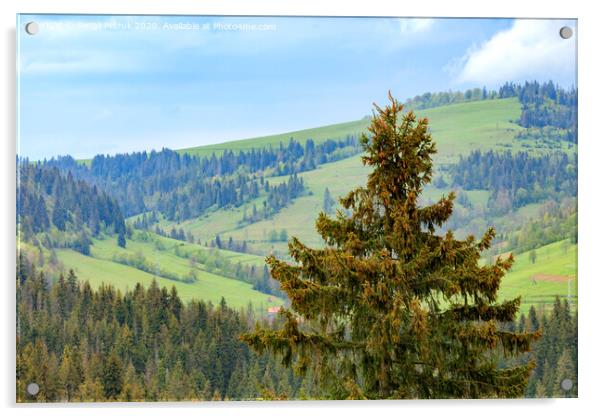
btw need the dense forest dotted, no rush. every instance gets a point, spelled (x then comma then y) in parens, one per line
(547, 105)
(515, 180)
(47, 200)
(555, 353)
(181, 186)
(547, 110)
(80, 344)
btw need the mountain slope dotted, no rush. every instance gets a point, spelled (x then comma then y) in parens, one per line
(457, 128)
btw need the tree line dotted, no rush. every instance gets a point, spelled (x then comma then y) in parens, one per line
(546, 105)
(438, 99)
(542, 105)
(278, 197)
(183, 186)
(47, 200)
(555, 354)
(515, 180)
(80, 344)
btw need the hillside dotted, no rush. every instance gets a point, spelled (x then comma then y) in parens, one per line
(457, 127)
(318, 134)
(232, 187)
(554, 273)
(210, 285)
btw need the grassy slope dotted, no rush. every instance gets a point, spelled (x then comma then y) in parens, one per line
(457, 128)
(99, 268)
(211, 224)
(299, 217)
(166, 258)
(318, 134)
(551, 259)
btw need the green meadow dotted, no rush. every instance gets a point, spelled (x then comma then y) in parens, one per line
(553, 273)
(100, 268)
(457, 128)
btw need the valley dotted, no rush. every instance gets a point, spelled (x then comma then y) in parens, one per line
(189, 263)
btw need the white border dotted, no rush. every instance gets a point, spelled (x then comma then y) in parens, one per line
(590, 201)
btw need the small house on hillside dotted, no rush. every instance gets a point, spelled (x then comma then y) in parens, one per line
(273, 310)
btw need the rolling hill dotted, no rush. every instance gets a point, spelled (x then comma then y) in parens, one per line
(211, 284)
(457, 129)
(554, 273)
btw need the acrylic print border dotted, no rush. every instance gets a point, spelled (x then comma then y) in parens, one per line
(84, 216)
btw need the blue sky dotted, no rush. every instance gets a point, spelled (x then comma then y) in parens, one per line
(107, 84)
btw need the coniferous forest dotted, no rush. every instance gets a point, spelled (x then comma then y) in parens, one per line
(81, 344)
(352, 265)
(183, 186)
(519, 178)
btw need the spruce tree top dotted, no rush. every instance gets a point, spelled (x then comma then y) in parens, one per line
(390, 308)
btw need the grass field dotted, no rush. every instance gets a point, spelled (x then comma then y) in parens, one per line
(557, 259)
(209, 225)
(100, 268)
(299, 217)
(163, 251)
(318, 134)
(457, 128)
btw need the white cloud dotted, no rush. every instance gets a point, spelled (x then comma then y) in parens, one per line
(530, 49)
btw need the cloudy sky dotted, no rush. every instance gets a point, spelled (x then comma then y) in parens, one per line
(106, 84)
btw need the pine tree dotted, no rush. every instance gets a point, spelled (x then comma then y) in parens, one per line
(91, 391)
(532, 256)
(565, 370)
(540, 390)
(112, 377)
(121, 239)
(71, 373)
(328, 202)
(391, 309)
(283, 235)
(547, 380)
(206, 393)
